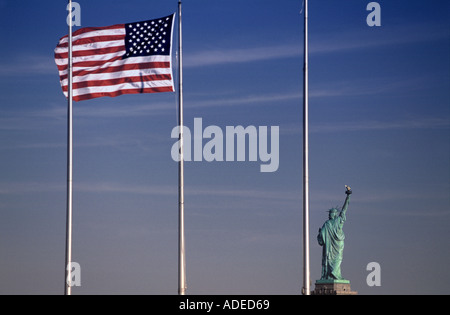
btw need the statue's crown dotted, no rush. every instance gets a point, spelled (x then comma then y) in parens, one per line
(333, 210)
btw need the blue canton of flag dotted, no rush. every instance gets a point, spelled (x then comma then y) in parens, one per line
(148, 38)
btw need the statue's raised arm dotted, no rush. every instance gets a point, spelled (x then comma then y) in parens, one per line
(348, 192)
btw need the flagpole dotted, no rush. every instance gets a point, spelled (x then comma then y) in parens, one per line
(181, 241)
(306, 268)
(68, 288)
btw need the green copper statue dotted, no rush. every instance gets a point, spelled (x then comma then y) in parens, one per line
(331, 238)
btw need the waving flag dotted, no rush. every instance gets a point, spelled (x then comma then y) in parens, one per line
(120, 59)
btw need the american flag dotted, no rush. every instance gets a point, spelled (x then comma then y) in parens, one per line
(120, 59)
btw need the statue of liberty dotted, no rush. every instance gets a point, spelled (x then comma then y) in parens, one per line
(331, 238)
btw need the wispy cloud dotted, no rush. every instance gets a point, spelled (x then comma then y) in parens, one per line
(125, 110)
(229, 56)
(370, 125)
(27, 64)
(108, 187)
(12, 188)
(244, 193)
(319, 44)
(159, 190)
(18, 120)
(407, 124)
(370, 86)
(366, 39)
(105, 187)
(247, 100)
(45, 115)
(100, 187)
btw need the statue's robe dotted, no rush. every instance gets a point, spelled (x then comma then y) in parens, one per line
(331, 238)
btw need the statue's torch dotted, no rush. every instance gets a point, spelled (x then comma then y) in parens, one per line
(348, 190)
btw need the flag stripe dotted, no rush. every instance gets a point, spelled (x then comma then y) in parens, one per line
(122, 92)
(111, 89)
(84, 53)
(78, 44)
(115, 75)
(120, 59)
(121, 86)
(105, 57)
(95, 45)
(88, 64)
(163, 66)
(92, 83)
(94, 32)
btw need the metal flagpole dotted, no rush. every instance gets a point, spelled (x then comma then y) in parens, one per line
(306, 270)
(181, 244)
(68, 288)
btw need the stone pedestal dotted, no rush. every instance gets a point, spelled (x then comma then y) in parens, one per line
(333, 287)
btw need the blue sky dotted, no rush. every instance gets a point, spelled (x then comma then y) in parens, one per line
(379, 122)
